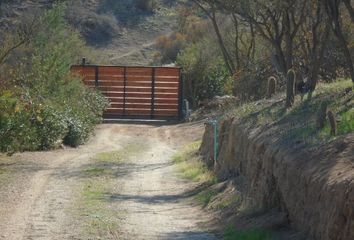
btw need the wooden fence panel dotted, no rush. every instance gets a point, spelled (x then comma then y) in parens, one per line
(136, 92)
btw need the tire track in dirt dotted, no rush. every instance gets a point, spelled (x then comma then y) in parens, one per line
(40, 210)
(153, 199)
(150, 195)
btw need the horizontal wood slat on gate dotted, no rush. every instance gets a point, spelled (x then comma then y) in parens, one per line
(113, 89)
(142, 106)
(142, 112)
(149, 92)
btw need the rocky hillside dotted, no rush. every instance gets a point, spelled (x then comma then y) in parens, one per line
(123, 31)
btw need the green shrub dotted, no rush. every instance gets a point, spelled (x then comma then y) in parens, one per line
(52, 127)
(44, 105)
(78, 132)
(17, 132)
(252, 234)
(205, 76)
(81, 112)
(346, 125)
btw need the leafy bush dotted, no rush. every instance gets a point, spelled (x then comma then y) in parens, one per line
(78, 132)
(205, 75)
(252, 234)
(16, 125)
(51, 127)
(43, 104)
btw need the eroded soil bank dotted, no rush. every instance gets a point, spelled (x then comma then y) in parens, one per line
(312, 186)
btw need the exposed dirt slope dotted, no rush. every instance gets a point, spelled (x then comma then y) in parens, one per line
(313, 186)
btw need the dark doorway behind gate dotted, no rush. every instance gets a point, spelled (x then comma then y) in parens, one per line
(136, 92)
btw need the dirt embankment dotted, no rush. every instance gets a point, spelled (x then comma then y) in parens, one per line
(313, 186)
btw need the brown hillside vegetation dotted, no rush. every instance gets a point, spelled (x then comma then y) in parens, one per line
(123, 32)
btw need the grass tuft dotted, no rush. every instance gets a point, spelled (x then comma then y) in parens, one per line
(98, 172)
(3, 171)
(93, 208)
(118, 156)
(110, 157)
(227, 202)
(191, 166)
(204, 198)
(252, 234)
(98, 217)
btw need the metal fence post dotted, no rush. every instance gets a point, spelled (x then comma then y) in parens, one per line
(214, 123)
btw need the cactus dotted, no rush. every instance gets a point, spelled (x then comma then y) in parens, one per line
(332, 122)
(290, 88)
(271, 86)
(321, 115)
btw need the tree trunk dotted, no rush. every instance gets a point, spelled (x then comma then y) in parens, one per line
(252, 49)
(333, 11)
(288, 41)
(281, 59)
(237, 36)
(319, 43)
(343, 42)
(228, 61)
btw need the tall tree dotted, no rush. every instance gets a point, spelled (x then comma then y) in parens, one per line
(22, 34)
(210, 8)
(314, 38)
(276, 21)
(333, 9)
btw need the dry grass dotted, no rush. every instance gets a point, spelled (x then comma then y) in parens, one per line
(191, 165)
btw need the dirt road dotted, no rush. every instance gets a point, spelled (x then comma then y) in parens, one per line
(41, 196)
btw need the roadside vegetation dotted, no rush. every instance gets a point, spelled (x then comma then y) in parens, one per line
(94, 206)
(232, 234)
(255, 59)
(191, 166)
(307, 121)
(214, 195)
(275, 70)
(41, 105)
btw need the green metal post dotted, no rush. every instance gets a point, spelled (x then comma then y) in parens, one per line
(214, 123)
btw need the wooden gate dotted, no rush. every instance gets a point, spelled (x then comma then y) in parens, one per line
(136, 92)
